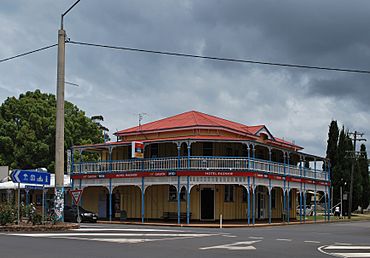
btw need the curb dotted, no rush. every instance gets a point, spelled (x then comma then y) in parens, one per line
(217, 225)
(39, 228)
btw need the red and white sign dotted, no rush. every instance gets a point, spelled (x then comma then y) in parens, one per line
(197, 173)
(76, 195)
(137, 150)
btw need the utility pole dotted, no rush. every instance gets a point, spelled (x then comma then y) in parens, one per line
(354, 158)
(59, 129)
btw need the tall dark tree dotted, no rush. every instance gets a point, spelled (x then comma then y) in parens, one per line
(27, 130)
(357, 187)
(332, 147)
(342, 168)
(363, 167)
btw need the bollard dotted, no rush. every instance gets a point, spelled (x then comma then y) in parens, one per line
(220, 220)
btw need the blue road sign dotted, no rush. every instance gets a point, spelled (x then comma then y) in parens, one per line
(30, 177)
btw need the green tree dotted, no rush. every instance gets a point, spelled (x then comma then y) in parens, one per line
(332, 147)
(342, 168)
(363, 167)
(27, 130)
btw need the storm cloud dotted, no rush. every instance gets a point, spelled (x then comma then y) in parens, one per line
(293, 103)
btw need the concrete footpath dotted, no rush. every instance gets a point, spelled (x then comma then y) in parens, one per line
(238, 224)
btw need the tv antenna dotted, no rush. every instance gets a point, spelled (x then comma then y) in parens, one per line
(141, 117)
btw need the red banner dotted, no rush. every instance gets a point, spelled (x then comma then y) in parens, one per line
(197, 173)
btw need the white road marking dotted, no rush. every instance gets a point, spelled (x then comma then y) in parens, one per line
(254, 237)
(229, 236)
(349, 255)
(116, 240)
(313, 242)
(246, 245)
(283, 239)
(126, 229)
(346, 247)
(338, 243)
(110, 234)
(352, 250)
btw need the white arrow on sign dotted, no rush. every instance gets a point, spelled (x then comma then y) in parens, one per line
(246, 245)
(16, 174)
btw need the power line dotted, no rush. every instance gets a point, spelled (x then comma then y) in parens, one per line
(236, 60)
(27, 53)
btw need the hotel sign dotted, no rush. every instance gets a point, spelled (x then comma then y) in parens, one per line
(137, 150)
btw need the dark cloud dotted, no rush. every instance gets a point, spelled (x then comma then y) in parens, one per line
(295, 104)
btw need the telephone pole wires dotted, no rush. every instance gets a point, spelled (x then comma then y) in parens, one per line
(59, 127)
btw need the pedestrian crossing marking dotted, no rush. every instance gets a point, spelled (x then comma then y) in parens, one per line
(119, 235)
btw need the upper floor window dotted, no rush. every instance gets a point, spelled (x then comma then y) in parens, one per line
(207, 149)
(154, 150)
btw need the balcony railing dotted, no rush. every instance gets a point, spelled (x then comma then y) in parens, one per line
(198, 163)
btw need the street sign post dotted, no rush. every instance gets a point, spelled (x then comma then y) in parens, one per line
(30, 177)
(76, 197)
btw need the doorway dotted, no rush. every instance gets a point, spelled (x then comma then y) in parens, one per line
(261, 205)
(102, 205)
(207, 203)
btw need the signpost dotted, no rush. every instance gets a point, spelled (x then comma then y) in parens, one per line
(76, 197)
(32, 177)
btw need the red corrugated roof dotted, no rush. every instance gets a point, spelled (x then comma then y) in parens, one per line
(185, 120)
(195, 119)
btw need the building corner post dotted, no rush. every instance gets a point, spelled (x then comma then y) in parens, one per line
(178, 200)
(142, 199)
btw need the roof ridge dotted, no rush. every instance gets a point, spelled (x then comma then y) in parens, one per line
(227, 120)
(192, 113)
(152, 122)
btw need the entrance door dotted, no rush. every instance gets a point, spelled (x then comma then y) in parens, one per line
(102, 205)
(207, 202)
(261, 206)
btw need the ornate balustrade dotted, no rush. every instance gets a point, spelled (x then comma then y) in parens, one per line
(197, 164)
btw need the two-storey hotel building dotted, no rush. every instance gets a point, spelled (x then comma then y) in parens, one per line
(197, 167)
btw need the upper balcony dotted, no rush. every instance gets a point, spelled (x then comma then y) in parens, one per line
(200, 163)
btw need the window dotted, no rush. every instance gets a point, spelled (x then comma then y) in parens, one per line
(38, 199)
(183, 194)
(244, 150)
(172, 193)
(229, 193)
(207, 149)
(154, 150)
(245, 194)
(4, 197)
(273, 198)
(229, 151)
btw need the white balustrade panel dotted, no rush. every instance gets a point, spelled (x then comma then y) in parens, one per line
(197, 163)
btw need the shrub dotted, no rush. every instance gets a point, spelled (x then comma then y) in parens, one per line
(32, 216)
(7, 214)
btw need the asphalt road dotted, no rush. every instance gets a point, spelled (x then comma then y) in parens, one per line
(101, 240)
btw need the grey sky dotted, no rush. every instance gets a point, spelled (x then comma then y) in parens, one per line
(293, 103)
